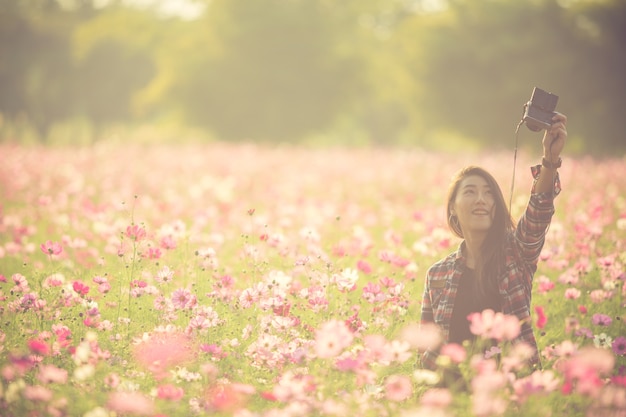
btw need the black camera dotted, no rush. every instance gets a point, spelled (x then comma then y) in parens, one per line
(538, 112)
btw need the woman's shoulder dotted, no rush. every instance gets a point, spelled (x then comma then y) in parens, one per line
(444, 264)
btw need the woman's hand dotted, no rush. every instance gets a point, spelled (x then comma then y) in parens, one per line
(554, 138)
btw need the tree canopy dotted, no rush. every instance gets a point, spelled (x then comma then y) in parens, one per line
(398, 71)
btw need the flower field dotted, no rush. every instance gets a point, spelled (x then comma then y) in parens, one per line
(247, 281)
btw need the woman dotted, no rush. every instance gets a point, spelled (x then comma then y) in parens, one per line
(495, 263)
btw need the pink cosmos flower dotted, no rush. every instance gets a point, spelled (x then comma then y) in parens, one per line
(372, 292)
(398, 388)
(544, 284)
(104, 288)
(20, 282)
(332, 338)
(63, 334)
(183, 299)
(422, 336)
(539, 382)
(37, 393)
(51, 248)
(399, 351)
(136, 232)
(354, 323)
(80, 288)
(584, 369)
(112, 380)
(39, 347)
(153, 253)
(437, 398)
(170, 392)
(248, 297)
(364, 266)
(225, 398)
(318, 303)
(164, 275)
(572, 293)
(131, 403)
(518, 357)
(454, 351)
(542, 319)
(163, 351)
(485, 404)
(387, 282)
(51, 374)
(55, 280)
(168, 242)
(376, 349)
(293, 387)
(491, 325)
(349, 364)
(599, 296)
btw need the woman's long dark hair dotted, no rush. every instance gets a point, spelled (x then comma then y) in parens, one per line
(491, 261)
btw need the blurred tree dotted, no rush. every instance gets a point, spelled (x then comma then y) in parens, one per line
(482, 59)
(34, 62)
(114, 65)
(279, 70)
(598, 76)
(276, 72)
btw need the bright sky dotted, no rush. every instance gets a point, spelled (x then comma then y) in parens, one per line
(185, 9)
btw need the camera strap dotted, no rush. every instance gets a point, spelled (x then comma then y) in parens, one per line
(514, 164)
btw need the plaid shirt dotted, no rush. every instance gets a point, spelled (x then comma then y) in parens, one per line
(522, 249)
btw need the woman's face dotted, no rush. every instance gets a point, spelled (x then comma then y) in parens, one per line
(474, 205)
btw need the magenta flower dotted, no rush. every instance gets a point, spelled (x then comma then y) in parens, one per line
(39, 347)
(619, 346)
(51, 248)
(601, 320)
(542, 319)
(80, 288)
(364, 266)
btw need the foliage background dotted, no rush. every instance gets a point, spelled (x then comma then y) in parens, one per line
(442, 74)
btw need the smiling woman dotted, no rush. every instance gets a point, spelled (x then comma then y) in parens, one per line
(493, 268)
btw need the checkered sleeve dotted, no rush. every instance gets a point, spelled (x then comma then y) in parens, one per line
(534, 223)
